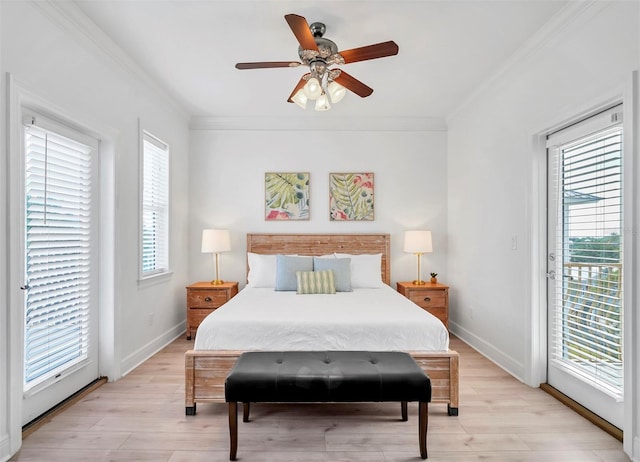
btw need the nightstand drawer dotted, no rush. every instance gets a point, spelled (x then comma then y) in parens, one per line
(196, 315)
(428, 300)
(440, 313)
(206, 298)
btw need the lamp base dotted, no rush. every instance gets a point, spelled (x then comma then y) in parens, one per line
(419, 282)
(217, 282)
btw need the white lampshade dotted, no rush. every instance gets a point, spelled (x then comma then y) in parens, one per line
(312, 88)
(417, 241)
(215, 241)
(300, 98)
(336, 91)
(322, 103)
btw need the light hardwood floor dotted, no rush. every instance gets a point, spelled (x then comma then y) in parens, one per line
(141, 417)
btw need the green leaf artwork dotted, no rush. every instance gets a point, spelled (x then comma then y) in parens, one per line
(286, 196)
(351, 196)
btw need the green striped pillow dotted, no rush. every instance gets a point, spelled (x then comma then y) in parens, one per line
(315, 282)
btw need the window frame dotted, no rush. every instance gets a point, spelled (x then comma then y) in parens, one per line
(162, 268)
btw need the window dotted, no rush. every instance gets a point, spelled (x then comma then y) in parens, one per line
(154, 233)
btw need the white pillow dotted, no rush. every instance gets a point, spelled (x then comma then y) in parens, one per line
(366, 270)
(262, 270)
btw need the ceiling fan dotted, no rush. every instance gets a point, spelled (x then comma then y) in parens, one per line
(323, 83)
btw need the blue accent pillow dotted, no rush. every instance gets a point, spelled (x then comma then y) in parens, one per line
(286, 267)
(341, 268)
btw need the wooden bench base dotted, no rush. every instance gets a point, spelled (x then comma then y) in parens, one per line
(327, 377)
(423, 423)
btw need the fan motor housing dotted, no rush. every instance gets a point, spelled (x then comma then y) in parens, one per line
(318, 29)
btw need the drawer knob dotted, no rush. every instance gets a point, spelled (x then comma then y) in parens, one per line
(427, 299)
(207, 299)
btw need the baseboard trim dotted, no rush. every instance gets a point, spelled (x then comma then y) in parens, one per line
(39, 421)
(583, 411)
(498, 357)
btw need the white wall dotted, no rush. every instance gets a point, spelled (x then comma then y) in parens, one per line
(227, 189)
(492, 173)
(49, 57)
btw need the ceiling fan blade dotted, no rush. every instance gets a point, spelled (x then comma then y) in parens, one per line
(301, 30)
(300, 84)
(267, 64)
(378, 50)
(353, 84)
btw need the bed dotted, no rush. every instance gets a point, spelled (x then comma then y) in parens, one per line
(263, 319)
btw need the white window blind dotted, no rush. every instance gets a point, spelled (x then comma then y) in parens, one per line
(155, 207)
(58, 252)
(587, 326)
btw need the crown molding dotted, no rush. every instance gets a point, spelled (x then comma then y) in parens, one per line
(394, 124)
(573, 13)
(71, 19)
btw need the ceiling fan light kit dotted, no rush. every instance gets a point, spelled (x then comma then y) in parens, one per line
(322, 103)
(336, 91)
(312, 88)
(322, 84)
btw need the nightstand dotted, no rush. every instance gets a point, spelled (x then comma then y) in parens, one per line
(431, 296)
(203, 298)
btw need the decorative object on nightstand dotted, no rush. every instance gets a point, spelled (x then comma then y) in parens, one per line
(215, 241)
(430, 296)
(434, 277)
(418, 242)
(204, 298)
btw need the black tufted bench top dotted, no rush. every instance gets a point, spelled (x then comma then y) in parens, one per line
(327, 376)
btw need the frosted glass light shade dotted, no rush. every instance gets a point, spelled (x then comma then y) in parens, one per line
(215, 241)
(417, 241)
(322, 103)
(336, 91)
(312, 88)
(300, 98)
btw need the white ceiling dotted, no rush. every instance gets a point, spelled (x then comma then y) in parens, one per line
(447, 50)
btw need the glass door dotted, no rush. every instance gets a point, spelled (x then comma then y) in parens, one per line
(60, 270)
(585, 264)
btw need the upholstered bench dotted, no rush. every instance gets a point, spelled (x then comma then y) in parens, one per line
(326, 376)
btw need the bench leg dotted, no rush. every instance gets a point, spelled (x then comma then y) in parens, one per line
(403, 408)
(423, 421)
(233, 430)
(245, 412)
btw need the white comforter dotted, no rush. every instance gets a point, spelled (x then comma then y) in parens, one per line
(365, 319)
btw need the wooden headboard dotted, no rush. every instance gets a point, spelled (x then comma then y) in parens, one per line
(322, 244)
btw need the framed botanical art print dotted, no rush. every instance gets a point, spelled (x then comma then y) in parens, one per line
(286, 196)
(350, 196)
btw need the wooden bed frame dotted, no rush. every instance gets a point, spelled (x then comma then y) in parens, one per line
(206, 370)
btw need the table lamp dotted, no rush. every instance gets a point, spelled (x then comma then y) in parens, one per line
(418, 242)
(215, 241)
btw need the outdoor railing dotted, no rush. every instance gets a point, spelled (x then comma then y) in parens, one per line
(592, 318)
